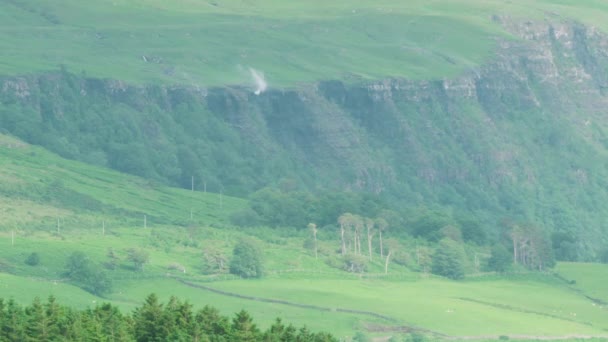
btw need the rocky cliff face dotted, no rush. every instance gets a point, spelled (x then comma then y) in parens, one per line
(522, 137)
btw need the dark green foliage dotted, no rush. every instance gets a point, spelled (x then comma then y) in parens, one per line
(500, 259)
(84, 273)
(33, 259)
(360, 337)
(429, 225)
(152, 321)
(449, 259)
(472, 231)
(245, 218)
(243, 328)
(229, 141)
(416, 337)
(564, 246)
(604, 256)
(247, 260)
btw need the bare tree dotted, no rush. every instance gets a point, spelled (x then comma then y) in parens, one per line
(214, 260)
(344, 221)
(382, 226)
(369, 224)
(358, 223)
(313, 229)
(423, 258)
(393, 247)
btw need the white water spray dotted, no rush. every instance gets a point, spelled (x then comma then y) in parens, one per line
(259, 80)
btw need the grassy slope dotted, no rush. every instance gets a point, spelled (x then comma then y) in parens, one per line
(33, 177)
(488, 306)
(590, 278)
(215, 42)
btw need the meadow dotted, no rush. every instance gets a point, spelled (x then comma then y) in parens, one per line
(214, 43)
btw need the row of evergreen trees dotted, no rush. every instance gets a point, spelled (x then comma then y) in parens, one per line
(152, 321)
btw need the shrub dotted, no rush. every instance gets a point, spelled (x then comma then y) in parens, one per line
(33, 259)
(354, 263)
(246, 260)
(449, 259)
(500, 259)
(87, 275)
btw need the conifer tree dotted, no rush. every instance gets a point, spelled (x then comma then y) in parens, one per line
(243, 328)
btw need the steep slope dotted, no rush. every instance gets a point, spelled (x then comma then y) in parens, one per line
(519, 138)
(488, 114)
(41, 191)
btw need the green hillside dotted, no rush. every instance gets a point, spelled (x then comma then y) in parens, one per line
(408, 169)
(297, 287)
(213, 43)
(38, 188)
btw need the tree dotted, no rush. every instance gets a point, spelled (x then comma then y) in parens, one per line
(472, 231)
(86, 274)
(451, 232)
(214, 260)
(604, 256)
(393, 246)
(358, 223)
(500, 259)
(14, 323)
(313, 229)
(424, 258)
(243, 328)
(149, 321)
(113, 259)
(564, 245)
(78, 266)
(345, 221)
(382, 226)
(33, 259)
(211, 323)
(369, 224)
(37, 328)
(531, 247)
(360, 337)
(138, 257)
(354, 263)
(449, 259)
(246, 260)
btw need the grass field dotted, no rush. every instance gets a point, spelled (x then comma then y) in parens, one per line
(83, 196)
(212, 43)
(591, 279)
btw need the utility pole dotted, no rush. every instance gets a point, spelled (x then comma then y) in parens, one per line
(13, 237)
(205, 187)
(145, 222)
(103, 227)
(192, 183)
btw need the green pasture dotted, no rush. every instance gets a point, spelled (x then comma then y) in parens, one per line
(452, 308)
(84, 196)
(24, 289)
(591, 279)
(212, 43)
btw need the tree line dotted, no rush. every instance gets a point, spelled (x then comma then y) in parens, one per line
(152, 321)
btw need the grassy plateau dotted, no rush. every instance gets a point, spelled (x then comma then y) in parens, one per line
(214, 43)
